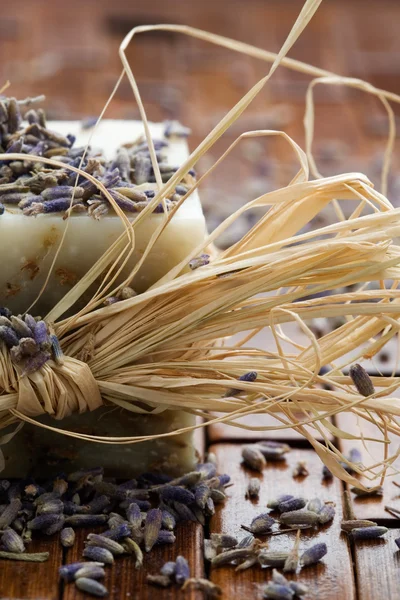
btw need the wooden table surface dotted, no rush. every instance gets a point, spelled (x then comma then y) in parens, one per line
(45, 47)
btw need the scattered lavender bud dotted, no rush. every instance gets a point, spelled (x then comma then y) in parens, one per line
(275, 503)
(199, 261)
(223, 540)
(207, 470)
(273, 450)
(132, 547)
(260, 524)
(166, 537)
(351, 524)
(86, 520)
(300, 589)
(56, 526)
(246, 541)
(251, 376)
(67, 572)
(276, 591)
(14, 116)
(225, 558)
(292, 504)
(10, 513)
(152, 528)
(201, 494)
(91, 586)
(397, 542)
(93, 572)
(186, 514)
(8, 336)
(326, 474)
(12, 542)
(176, 129)
(313, 554)
(299, 517)
(168, 521)
(182, 570)
(134, 515)
(178, 494)
(361, 380)
(40, 332)
(159, 580)
(98, 554)
(67, 537)
(97, 505)
(253, 488)
(217, 496)
(268, 558)
(368, 533)
(326, 514)
(168, 569)
(253, 458)
(355, 456)
(119, 532)
(376, 491)
(57, 352)
(315, 505)
(51, 507)
(102, 541)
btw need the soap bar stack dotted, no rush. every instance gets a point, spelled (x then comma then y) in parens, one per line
(35, 212)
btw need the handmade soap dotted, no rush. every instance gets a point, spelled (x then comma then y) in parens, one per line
(30, 240)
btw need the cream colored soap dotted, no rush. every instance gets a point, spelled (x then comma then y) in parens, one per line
(29, 243)
(28, 246)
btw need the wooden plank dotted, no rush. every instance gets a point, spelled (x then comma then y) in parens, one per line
(33, 581)
(377, 567)
(333, 577)
(124, 581)
(371, 452)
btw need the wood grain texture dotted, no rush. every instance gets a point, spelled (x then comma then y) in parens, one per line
(372, 452)
(124, 581)
(377, 564)
(33, 581)
(332, 578)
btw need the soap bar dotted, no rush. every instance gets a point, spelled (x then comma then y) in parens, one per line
(30, 243)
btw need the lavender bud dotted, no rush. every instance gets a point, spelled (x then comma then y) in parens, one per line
(275, 503)
(209, 589)
(266, 558)
(62, 191)
(166, 537)
(251, 376)
(51, 507)
(368, 533)
(132, 547)
(142, 168)
(355, 456)
(98, 554)
(300, 589)
(20, 328)
(168, 569)
(14, 116)
(28, 346)
(253, 458)
(253, 488)
(93, 572)
(67, 572)
(376, 491)
(315, 505)
(348, 526)
(91, 586)
(119, 532)
(102, 541)
(10, 513)
(12, 542)
(299, 517)
(361, 380)
(152, 528)
(260, 524)
(56, 350)
(8, 336)
(313, 554)
(273, 450)
(134, 515)
(182, 570)
(248, 540)
(185, 513)
(177, 494)
(40, 332)
(397, 542)
(199, 261)
(223, 540)
(326, 474)
(292, 504)
(86, 520)
(326, 514)
(44, 521)
(276, 591)
(168, 521)
(97, 505)
(210, 509)
(225, 558)
(207, 470)
(67, 537)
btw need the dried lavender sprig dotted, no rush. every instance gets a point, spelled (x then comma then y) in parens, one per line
(361, 380)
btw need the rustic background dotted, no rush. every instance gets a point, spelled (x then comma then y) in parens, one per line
(69, 51)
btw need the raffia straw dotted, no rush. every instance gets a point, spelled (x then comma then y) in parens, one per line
(147, 354)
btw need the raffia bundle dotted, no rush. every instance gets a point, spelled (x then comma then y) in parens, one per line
(169, 348)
